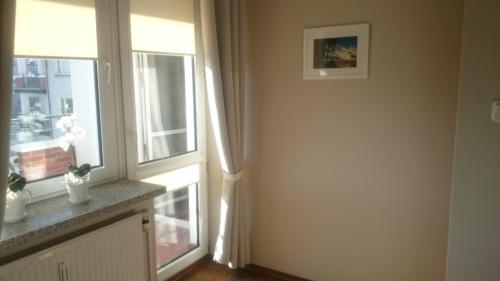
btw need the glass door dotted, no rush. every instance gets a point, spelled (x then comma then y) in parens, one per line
(164, 110)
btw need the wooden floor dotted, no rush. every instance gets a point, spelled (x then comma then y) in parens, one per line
(211, 271)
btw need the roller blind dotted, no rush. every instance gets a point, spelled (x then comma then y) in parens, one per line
(165, 26)
(56, 28)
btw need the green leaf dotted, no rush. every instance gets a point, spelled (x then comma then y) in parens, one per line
(80, 171)
(84, 169)
(16, 182)
(73, 169)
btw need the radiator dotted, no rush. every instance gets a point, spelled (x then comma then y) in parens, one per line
(116, 252)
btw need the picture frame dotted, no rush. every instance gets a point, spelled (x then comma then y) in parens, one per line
(336, 52)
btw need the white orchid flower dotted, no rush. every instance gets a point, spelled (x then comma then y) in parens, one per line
(65, 124)
(79, 133)
(73, 133)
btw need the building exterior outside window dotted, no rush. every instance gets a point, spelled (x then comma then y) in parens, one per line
(40, 97)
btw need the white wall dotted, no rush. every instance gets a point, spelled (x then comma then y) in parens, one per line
(474, 239)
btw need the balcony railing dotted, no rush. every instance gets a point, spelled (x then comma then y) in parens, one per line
(31, 83)
(34, 127)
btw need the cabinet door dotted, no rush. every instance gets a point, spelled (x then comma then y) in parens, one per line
(115, 252)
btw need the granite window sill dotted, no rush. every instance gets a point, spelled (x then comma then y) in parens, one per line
(56, 214)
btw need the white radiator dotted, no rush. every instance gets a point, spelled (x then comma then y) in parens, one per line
(116, 252)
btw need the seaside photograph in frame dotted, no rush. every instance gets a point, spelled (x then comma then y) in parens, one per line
(336, 52)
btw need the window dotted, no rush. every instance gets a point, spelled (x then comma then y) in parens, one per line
(66, 106)
(176, 228)
(31, 67)
(164, 89)
(36, 151)
(63, 67)
(15, 72)
(176, 214)
(46, 46)
(168, 122)
(35, 105)
(69, 58)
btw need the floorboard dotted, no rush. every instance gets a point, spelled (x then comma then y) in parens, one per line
(211, 271)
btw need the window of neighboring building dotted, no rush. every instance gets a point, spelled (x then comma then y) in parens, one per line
(63, 67)
(31, 67)
(15, 68)
(35, 104)
(66, 106)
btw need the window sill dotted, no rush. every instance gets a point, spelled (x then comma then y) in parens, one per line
(57, 214)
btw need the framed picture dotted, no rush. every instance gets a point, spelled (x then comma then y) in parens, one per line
(336, 52)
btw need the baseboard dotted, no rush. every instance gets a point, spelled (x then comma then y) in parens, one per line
(273, 273)
(179, 275)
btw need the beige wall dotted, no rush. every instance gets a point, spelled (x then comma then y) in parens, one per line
(352, 177)
(474, 240)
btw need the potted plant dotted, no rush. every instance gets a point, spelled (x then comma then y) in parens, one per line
(77, 179)
(17, 197)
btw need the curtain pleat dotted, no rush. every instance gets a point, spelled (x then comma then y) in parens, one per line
(7, 19)
(220, 27)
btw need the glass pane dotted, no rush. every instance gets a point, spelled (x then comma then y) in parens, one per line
(176, 224)
(165, 102)
(54, 117)
(169, 145)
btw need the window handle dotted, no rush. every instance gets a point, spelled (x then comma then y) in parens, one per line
(107, 65)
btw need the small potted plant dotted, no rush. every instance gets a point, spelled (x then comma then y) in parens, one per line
(77, 179)
(17, 197)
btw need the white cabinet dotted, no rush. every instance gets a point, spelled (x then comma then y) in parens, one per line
(115, 252)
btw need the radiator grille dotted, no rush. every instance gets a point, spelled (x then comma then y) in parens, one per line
(114, 253)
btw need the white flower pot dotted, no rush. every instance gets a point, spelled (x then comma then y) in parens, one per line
(78, 188)
(15, 207)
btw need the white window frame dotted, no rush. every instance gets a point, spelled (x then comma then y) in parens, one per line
(141, 171)
(109, 97)
(118, 130)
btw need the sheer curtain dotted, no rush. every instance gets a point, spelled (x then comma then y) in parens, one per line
(222, 33)
(148, 97)
(7, 15)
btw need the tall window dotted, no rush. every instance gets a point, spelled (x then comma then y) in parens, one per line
(169, 137)
(46, 46)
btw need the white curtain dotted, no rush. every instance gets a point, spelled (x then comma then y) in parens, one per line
(7, 15)
(148, 97)
(222, 35)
